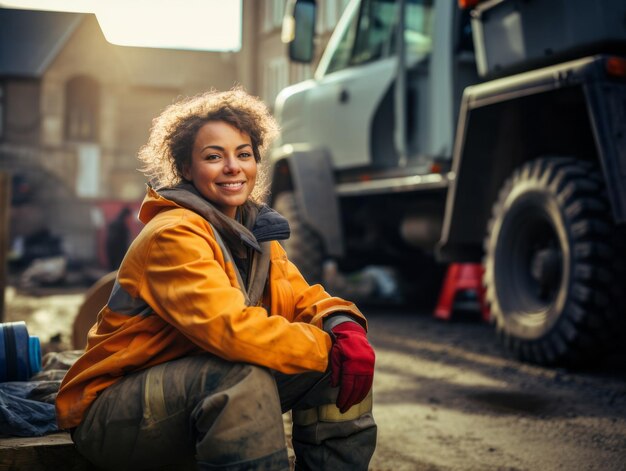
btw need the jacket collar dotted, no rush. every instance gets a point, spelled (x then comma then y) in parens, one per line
(259, 222)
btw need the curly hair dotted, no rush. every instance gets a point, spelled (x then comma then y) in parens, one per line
(173, 133)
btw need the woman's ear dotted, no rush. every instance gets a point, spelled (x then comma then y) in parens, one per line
(186, 172)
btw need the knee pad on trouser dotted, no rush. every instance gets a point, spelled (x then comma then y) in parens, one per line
(324, 438)
(242, 422)
(331, 413)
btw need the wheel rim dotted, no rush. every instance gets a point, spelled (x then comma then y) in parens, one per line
(531, 271)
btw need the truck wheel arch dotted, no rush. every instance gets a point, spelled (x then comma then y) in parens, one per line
(496, 137)
(307, 173)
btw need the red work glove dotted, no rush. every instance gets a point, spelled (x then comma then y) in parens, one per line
(352, 364)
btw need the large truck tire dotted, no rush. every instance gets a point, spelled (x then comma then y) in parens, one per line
(549, 262)
(304, 247)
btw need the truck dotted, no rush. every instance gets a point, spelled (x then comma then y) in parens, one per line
(490, 132)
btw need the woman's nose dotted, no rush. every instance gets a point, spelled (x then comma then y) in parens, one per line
(231, 165)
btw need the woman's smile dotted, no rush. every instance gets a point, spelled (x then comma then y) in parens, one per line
(232, 186)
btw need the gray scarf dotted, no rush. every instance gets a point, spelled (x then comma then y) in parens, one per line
(259, 222)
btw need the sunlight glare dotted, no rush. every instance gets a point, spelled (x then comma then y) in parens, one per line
(210, 25)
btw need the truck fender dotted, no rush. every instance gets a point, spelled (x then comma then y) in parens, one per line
(307, 172)
(505, 123)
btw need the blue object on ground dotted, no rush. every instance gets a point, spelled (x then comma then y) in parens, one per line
(20, 353)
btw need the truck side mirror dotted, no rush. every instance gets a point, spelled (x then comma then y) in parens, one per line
(299, 29)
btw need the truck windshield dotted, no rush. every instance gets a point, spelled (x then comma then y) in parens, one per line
(371, 35)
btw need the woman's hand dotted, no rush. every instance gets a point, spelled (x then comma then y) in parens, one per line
(352, 364)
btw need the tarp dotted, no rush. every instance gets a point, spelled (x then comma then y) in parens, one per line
(27, 407)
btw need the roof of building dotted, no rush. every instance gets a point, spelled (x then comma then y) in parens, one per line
(30, 40)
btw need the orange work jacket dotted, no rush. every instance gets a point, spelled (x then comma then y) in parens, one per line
(177, 294)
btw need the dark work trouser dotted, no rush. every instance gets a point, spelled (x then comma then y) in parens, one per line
(211, 414)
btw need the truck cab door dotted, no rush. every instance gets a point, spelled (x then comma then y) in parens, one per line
(355, 79)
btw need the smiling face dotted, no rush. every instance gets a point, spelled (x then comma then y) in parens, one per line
(223, 168)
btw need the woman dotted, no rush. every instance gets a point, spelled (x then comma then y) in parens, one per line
(210, 333)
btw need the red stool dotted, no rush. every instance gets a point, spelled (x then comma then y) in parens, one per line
(461, 277)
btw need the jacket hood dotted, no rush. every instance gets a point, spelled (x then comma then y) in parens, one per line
(152, 204)
(259, 222)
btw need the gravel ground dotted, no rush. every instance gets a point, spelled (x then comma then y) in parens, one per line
(446, 398)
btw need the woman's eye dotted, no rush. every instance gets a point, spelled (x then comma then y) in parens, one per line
(245, 155)
(212, 157)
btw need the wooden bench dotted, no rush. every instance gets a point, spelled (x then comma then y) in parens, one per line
(50, 452)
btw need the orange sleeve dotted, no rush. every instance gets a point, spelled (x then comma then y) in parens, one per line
(311, 303)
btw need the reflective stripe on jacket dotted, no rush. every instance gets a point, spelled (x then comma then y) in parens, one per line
(177, 293)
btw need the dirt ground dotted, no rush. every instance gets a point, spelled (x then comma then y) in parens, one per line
(446, 398)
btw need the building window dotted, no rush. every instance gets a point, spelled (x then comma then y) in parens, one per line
(82, 106)
(329, 12)
(275, 78)
(88, 171)
(300, 72)
(273, 12)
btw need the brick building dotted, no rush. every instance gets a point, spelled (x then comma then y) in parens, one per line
(74, 109)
